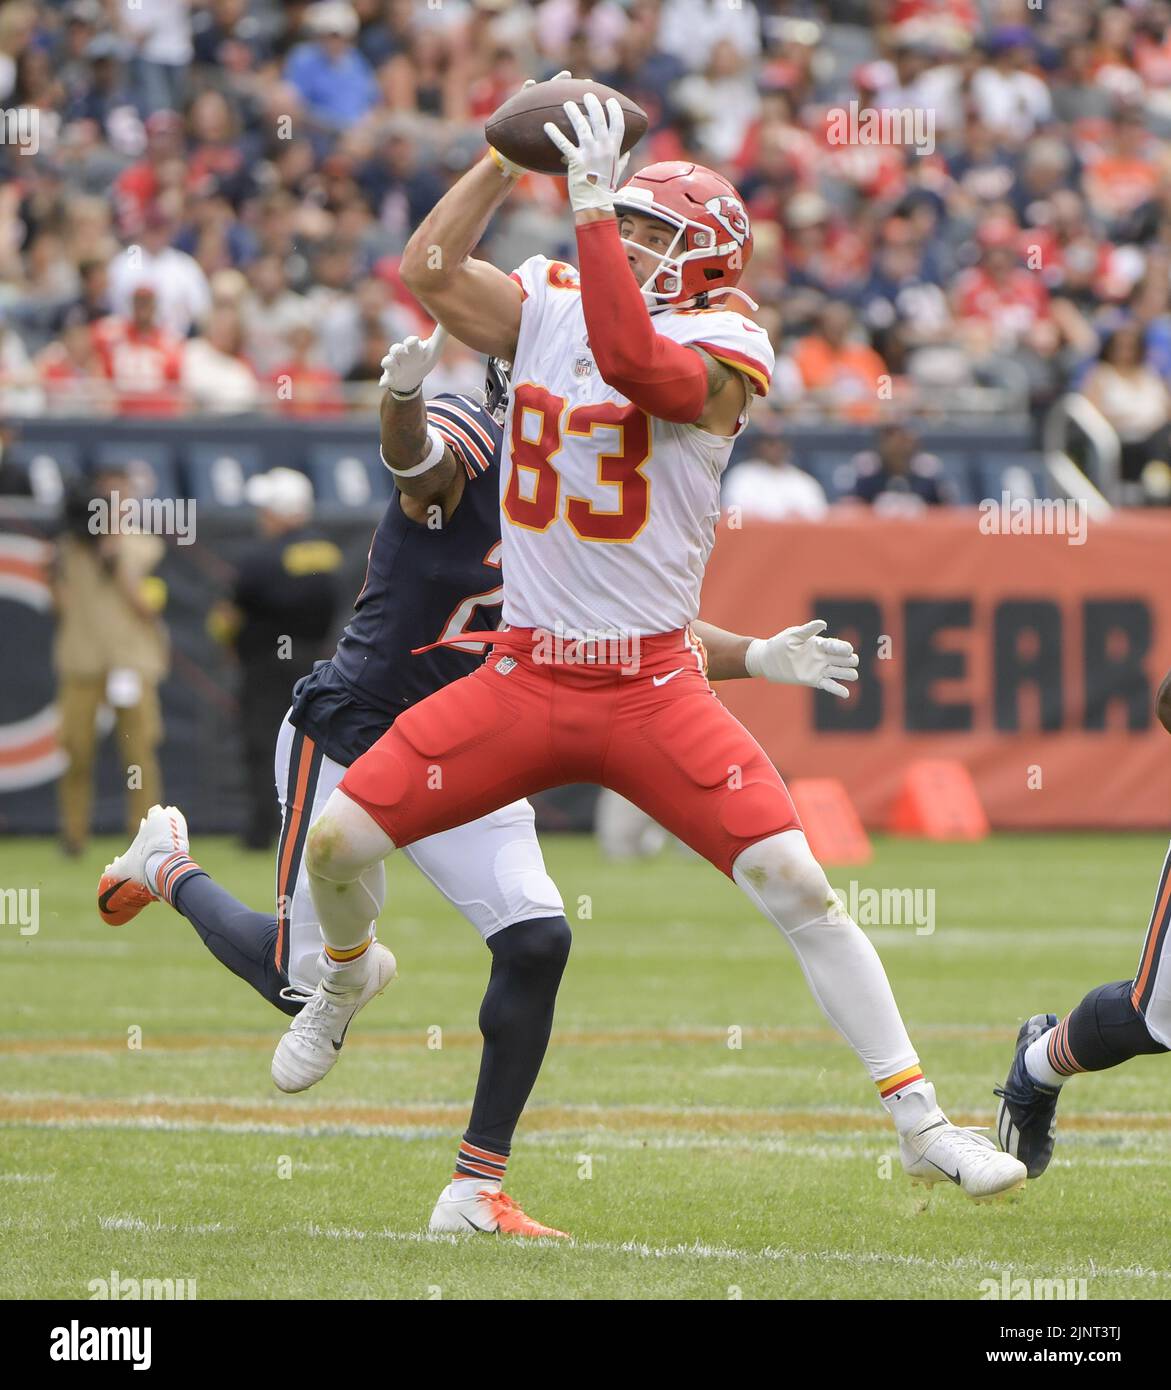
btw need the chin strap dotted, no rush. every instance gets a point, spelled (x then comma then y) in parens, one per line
(731, 289)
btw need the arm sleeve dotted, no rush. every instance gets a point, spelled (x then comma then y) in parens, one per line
(659, 375)
(467, 429)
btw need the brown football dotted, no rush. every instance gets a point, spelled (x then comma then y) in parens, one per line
(517, 129)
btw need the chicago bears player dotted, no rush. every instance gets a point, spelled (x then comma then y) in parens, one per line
(433, 570)
(1112, 1024)
(629, 385)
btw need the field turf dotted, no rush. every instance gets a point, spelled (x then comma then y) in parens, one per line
(697, 1127)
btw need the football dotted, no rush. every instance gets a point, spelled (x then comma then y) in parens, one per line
(517, 129)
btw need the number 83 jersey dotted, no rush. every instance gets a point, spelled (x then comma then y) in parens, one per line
(607, 514)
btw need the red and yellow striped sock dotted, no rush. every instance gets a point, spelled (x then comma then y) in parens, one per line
(893, 1088)
(348, 956)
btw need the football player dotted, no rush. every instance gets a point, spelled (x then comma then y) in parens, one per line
(631, 378)
(1112, 1024)
(433, 570)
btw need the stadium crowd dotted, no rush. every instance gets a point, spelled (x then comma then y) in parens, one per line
(210, 209)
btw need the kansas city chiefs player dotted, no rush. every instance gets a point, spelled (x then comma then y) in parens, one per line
(629, 384)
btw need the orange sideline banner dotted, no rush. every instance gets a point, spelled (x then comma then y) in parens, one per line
(1031, 659)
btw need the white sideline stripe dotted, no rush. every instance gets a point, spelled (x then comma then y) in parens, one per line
(28, 1177)
(848, 1150)
(697, 1250)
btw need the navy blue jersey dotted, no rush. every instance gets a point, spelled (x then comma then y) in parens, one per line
(422, 583)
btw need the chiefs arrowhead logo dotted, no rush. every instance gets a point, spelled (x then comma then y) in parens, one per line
(729, 213)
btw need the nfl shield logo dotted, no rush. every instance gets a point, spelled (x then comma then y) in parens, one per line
(583, 366)
(504, 665)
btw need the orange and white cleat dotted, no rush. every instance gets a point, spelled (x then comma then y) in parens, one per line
(124, 888)
(486, 1210)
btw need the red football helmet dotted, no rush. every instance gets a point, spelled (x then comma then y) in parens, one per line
(713, 238)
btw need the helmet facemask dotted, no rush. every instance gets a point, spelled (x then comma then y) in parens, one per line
(662, 288)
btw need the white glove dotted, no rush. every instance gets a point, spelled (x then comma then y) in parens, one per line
(503, 163)
(408, 362)
(596, 162)
(798, 656)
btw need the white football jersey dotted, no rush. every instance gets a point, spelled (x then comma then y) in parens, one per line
(607, 515)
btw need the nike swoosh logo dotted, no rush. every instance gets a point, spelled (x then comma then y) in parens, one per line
(337, 1043)
(104, 900)
(483, 1230)
(670, 676)
(951, 1177)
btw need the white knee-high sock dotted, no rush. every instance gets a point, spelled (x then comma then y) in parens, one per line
(840, 965)
(344, 846)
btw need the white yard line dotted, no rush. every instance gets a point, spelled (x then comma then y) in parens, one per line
(697, 1250)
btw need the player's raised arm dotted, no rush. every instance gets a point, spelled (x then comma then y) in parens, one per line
(666, 379)
(1163, 703)
(424, 467)
(794, 656)
(473, 300)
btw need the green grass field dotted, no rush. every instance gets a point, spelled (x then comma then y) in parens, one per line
(683, 1166)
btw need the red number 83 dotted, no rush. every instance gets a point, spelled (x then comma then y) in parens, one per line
(533, 496)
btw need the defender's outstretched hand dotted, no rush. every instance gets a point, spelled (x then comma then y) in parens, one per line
(596, 162)
(799, 656)
(406, 365)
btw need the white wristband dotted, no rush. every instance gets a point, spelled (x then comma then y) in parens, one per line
(752, 654)
(434, 454)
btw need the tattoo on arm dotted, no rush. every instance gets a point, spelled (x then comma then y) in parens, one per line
(404, 444)
(719, 376)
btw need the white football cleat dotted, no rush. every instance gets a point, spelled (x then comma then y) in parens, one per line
(124, 889)
(485, 1209)
(314, 1040)
(938, 1151)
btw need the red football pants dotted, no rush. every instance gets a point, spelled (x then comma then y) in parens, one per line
(649, 728)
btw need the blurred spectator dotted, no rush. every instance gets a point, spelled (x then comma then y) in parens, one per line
(398, 186)
(1133, 398)
(1001, 307)
(304, 386)
(180, 286)
(216, 377)
(20, 391)
(720, 101)
(160, 32)
(140, 359)
(283, 606)
(1009, 98)
(269, 313)
(602, 23)
(17, 26)
(767, 486)
(334, 80)
(71, 371)
(428, 77)
(837, 368)
(111, 650)
(162, 166)
(690, 29)
(1124, 175)
(897, 477)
